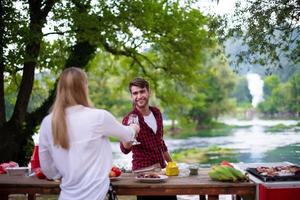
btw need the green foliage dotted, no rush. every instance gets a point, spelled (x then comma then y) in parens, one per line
(277, 128)
(283, 99)
(212, 100)
(190, 156)
(108, 92)
(270, 29)
(218, 150)
(270, 82)
(154, 39)
(213, 129)
(294, 104)
(169, 43)
(202, 155)
(241, 91)
(240, 111)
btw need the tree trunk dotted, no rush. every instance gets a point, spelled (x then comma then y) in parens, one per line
(13, 137)
(17, 133)
(13, 146)
(81, 53)
(2, 102)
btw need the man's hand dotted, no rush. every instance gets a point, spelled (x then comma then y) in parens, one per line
(167, 156)
(136, 127)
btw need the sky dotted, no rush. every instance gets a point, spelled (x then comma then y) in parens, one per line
(221, 8)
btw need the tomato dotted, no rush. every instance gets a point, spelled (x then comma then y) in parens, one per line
(112, 174)
(226, 163)
(38, 172)
(116, 170)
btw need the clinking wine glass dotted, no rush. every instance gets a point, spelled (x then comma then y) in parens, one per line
(134, 119)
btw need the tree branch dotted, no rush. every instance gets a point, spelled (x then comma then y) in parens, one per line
(56, 33)
(129, 53)
(115, 51)
(151, 63)
(48, 6)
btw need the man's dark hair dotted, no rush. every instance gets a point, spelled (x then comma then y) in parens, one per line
(139, 82)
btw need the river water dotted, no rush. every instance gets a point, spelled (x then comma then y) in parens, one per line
(251, 142)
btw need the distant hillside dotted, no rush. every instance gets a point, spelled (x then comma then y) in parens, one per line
(233, 47)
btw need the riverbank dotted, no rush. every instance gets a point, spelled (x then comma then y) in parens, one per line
(250, 141)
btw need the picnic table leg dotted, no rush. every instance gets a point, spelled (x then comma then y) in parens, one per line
(236, 197)
(213, 197)
(31, 197)
(202, 197)
(4, 196)
(246, 197)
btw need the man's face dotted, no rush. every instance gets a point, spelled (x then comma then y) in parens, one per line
(140, 96)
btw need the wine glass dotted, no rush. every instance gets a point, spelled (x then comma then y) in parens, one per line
(134, 119)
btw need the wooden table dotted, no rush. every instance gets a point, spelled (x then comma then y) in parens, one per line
(127, 185)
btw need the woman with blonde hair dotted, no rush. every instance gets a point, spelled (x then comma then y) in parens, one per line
(73, 143)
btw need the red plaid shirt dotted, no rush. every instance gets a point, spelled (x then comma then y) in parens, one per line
(152, 146)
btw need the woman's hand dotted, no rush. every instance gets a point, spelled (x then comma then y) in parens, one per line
(136, 127)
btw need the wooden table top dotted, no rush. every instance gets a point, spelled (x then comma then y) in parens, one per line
(128, 185)
(200, 184)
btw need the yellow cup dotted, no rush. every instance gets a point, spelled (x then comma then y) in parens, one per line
(172, 169)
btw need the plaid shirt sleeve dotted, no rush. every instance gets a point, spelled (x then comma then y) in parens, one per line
(164, 146)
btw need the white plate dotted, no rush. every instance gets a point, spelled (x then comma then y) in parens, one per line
(152, 180)
(17, 171)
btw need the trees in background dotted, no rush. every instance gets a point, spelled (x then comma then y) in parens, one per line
(282, 99)
(270, 30)
(210, 97)
(241, 91)
(212, 101)
(203, 99)
(162, 40)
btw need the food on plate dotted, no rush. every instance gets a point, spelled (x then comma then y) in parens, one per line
(4, 166)
(288, 170)
(115, 172)
(148, 175)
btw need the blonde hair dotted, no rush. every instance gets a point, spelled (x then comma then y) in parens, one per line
(72, 89)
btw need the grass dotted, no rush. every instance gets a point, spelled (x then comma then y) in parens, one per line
(277, 128)
(203, 155)
(282, 127)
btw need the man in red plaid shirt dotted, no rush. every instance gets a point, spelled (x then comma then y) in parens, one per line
(152, 150)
